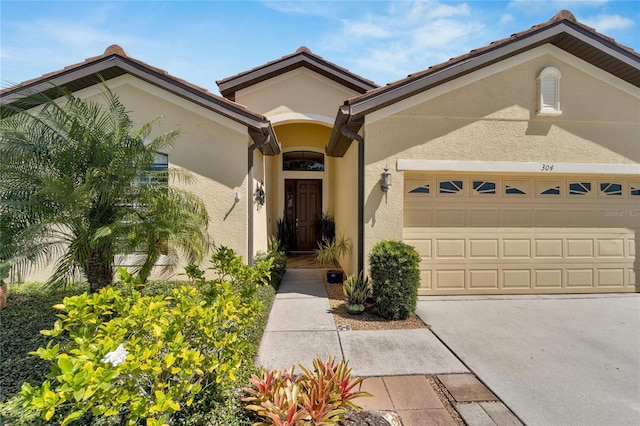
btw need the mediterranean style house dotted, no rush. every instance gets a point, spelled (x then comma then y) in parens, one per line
(513, 169)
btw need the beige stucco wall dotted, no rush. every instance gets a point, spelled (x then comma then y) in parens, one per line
(490, 115)
(213, 148)
(297, 95)
(344, 202)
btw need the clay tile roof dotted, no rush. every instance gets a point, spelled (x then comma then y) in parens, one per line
(302, 57)
(562, 30)
(560, 17)
(111, 51)
(115, 62)
(564, 14)
(114, 49)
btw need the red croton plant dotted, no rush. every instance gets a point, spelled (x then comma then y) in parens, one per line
(318, 397)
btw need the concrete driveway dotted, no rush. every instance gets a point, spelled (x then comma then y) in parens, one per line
(553, 360)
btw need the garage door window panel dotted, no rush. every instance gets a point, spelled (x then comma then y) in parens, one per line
(424, 189)
(549, 188)
(516, 187)
(512, 190)
(484, 187)
(610, 189)
(555, 190)
(579, 188)
(451, 187)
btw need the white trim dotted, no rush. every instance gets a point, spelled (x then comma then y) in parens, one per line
(518, 167)
(490, 70)
(299, 117)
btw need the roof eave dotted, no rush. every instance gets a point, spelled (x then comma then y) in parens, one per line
(228, 87)
(367, 103)
(258, 135)
(92, 71)
(339, 143)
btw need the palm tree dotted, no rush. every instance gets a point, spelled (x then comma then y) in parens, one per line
(79, 185)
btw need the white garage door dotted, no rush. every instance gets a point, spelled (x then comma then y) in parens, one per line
(481, 234)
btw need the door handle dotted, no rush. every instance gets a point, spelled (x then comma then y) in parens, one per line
(297, 224)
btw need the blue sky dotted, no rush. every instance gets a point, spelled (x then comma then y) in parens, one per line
(205, 41)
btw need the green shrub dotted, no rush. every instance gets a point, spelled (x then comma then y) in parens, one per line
(318, 397)
(216, 404)
(29, 310)
(228, 266)
(149, 356)
(279, 261)
(141, 357)
(395, 278)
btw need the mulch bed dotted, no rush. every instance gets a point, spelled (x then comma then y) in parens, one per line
(366, 320)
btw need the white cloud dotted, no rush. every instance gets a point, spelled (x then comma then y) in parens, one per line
(568, 4)
(506, 18)
(75, 34)
(406, 37)
(314, 8)
(555, 6)
(605, 23)
(364, 29)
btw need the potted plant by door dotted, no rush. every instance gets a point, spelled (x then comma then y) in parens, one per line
(325, 227)
(329, 254)
(356, 289)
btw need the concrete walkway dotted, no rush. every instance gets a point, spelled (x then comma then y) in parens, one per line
(397, 362)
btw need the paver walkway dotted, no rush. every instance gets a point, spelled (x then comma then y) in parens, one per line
(395, 362)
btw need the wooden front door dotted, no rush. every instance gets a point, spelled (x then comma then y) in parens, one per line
(304, 206)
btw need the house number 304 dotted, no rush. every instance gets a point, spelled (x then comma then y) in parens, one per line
(547, 168)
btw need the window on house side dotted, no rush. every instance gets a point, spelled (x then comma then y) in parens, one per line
(159, 166)
(549, 91)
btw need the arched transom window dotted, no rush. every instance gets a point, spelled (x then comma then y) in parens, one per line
(303, 161)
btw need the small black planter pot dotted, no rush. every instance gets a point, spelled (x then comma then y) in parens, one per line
(335, 277)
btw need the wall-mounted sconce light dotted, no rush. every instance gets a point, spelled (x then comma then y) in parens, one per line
(385, 182)
(259, 194)
(237, 198)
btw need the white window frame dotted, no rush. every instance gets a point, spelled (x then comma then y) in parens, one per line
(549, 91)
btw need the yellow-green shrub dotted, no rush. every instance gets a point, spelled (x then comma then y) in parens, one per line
(177, 345)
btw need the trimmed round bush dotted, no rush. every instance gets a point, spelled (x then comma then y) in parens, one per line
(395, 277)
